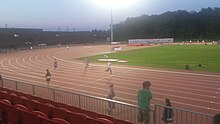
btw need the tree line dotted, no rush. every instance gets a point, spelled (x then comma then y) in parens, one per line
(180, 25)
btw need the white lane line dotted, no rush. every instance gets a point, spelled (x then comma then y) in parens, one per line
(94, 81)
(3, 64)
(10, 63)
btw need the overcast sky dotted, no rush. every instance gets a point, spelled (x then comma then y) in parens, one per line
(81, 15)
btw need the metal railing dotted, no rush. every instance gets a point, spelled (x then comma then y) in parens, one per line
(122, 110)
(100, 105)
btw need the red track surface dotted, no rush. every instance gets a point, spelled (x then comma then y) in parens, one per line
(188, 90)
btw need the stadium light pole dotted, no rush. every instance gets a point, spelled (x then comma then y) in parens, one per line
(112, 36)
(17, 42)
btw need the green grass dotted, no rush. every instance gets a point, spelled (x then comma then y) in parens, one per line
(171, 57)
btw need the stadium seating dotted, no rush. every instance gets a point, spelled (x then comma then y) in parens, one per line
(12, 114)
(45, 120)
(91, 114)
(28, 117)
(58, 112)
(112, 119)
(20, 100)
(75, 109)
(45, 108)
(105, 121)
(9, 97)
(21, 107)
(31, 104)
(3, 109)
(39, 113)
(94, 121)
(77, 118)
(60, 121)
(16, 108)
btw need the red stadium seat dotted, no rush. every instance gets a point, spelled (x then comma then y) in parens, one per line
(44, 108)
(45, 120)
(58, 113)
(10, 91)
(91, 114)
(75, 109)
(39, 113)
(6, 101)
(77, 118)
(29, 117)
(9, 97)
(12, 114)
(22, 107)
(41, 100)
(2, 94)
(94, 121)
(105, 121)
(3, 109)
(111, 118)
(31, 104)
(19, 100)
(61, 121)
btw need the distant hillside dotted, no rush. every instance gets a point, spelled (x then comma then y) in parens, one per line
(180, 25)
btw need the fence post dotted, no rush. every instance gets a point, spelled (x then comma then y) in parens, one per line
(155, 109)
(33, 90)
(53, 92)
(79, 101)
(16, 85)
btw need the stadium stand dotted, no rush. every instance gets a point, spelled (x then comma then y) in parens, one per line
(81, 111)
(21, 108)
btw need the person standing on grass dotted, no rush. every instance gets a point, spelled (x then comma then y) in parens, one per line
(111, 95)
(109, 64)
(48, 77)
(55, 64)
(144, 97)
(168, 112)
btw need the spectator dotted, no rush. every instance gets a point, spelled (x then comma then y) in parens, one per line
(216, 119)
(111, 96)
(144, 98)
(168, 112)
(48, 77)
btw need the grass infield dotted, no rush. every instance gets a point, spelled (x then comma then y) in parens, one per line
(171, 57)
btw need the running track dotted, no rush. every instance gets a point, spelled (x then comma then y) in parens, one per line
(188, 90)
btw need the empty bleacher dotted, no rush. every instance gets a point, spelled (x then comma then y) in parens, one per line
(49, 105)
(21, 108)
